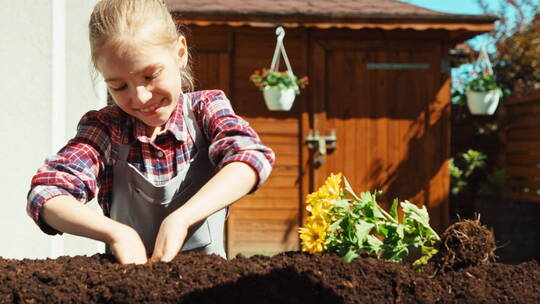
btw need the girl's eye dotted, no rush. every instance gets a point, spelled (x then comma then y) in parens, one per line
(153, 76)
(119, 88)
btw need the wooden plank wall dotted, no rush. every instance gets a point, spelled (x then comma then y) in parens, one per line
(522, 145)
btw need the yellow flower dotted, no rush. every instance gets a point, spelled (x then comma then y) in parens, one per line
(319, 221)
(331, 189)
(319, 204)
(323, 193)
(323, 199)
(333, 184)
(319, 207)
(313, 235)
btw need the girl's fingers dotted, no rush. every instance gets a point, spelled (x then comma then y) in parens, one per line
(158, 250)
(168, 242)
(165, 251)
(127, 254)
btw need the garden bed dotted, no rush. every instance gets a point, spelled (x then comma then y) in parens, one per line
(290, 277)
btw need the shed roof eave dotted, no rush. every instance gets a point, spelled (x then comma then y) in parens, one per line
(436, 18)
(457, 37)
(317, 9)
(478, 25)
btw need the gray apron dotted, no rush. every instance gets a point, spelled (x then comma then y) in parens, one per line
(138, 203)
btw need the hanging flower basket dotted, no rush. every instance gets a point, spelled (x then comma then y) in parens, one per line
(279, 88)
(278, 99)
(482, 92)
(483, 103)
(483, 95)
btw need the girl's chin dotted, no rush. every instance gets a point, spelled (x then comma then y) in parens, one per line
(155, 122)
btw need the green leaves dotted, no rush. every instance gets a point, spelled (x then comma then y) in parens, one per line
(483, 82)
(412, 212)
(350, 255)
(349, 189)
(427, 253)
(470, 161)
(393, 209)
(361, 226)
(363, 229)
(282, 80)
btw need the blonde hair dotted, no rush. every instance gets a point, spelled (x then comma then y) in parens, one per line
(116, 21)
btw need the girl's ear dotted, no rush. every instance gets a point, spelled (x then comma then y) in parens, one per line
(182, 52)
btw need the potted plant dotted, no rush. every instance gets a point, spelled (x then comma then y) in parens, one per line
(279, 88)
(483, 94)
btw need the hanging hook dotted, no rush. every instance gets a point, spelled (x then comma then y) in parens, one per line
(280, 32)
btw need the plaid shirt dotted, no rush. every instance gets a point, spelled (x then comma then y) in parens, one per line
(86, 162)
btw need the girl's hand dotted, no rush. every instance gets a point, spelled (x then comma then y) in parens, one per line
(171, 236)
(126, 245)
(65, 213)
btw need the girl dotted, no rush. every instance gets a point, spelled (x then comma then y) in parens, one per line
(167, 163)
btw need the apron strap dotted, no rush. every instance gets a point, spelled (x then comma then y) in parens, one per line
(123, 151)
(191, 124)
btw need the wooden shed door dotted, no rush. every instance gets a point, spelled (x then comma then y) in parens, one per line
(380, 100)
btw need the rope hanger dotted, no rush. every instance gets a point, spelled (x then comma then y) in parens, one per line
(280, 50)
(484, 58)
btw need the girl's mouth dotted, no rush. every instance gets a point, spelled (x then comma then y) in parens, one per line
(151, 109)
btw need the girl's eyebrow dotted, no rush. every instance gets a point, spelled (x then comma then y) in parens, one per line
(151, 67)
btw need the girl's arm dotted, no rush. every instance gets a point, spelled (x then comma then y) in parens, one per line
(70, 178)
(230, 184)
(66, 214)
(77, 169)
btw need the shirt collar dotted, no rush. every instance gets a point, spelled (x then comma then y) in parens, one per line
(175, 124)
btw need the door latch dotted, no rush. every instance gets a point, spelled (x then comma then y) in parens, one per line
(321, 144)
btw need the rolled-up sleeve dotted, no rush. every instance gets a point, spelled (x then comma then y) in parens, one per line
(232, 138)
(72, 171)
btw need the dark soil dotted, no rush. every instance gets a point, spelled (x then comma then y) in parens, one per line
(290, 277)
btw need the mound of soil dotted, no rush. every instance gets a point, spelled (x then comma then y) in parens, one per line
(291, 277)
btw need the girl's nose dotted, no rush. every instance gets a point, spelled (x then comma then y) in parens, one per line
(142, 94)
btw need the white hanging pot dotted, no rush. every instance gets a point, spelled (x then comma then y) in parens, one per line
(483, 103)
(279, 99)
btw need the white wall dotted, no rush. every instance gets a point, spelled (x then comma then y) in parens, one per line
(45, 88)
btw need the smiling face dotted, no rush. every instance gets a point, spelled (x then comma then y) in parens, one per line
(144, 80)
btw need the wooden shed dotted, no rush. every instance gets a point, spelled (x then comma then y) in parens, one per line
(379, 79)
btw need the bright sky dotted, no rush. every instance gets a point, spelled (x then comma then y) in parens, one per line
(451, 6)
(460, 7)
